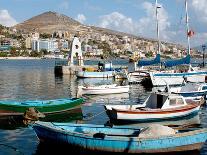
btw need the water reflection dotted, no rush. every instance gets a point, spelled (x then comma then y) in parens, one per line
(34, 79)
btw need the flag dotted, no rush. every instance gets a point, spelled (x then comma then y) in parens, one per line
(191, 33)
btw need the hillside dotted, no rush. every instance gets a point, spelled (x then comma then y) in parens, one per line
(50, 22)
(47, 22)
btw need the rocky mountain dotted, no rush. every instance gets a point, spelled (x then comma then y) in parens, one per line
(48, 22)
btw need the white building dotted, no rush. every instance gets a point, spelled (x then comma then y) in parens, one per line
(50, 45)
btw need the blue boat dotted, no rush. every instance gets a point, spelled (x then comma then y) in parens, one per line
(123, 139)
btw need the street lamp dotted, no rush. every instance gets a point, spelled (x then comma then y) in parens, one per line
(203, 47)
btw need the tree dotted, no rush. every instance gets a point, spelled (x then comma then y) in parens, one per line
(14, 51)
(44, 51)
(149, 54)
(45, 35)
(35, 54)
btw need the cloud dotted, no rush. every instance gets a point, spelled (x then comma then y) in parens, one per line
(117, 21)
(199, 7)
(81, 18)
(6, 19)
(145, 26)
(64, 5)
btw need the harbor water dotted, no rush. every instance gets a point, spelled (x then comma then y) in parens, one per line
(35, 80)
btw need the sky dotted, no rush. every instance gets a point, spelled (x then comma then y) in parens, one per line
(131, 16)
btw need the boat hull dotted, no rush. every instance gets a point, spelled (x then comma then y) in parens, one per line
(151, 115)
(48, 107)
(106, 74)
(105, 90)
(192, 140)
(160, 79)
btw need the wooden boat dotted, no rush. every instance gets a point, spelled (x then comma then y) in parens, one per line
(119, 139)
(158, 106)
(9, 108)
(104, 89)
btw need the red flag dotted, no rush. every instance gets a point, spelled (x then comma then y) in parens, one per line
(191, 33)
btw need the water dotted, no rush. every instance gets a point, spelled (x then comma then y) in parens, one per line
(35, 79)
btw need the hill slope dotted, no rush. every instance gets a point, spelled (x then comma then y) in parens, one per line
(47, 22)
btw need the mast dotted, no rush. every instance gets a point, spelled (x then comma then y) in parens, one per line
(157, 24)
(187, 25)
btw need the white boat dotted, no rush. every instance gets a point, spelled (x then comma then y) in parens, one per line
(176, 77)
(158, 106)
(193, 91)
(104, 89)
(104, 71)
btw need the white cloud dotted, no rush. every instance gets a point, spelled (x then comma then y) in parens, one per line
(117, 21)
(6, 19)
(145, 26)
(81, 18)
(199, 7)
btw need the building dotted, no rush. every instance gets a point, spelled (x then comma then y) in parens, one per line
(28, 42)
(51, 45)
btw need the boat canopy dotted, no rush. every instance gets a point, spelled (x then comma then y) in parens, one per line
(156, 60)
(171, 63)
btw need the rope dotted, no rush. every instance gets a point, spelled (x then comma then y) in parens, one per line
(95, 115)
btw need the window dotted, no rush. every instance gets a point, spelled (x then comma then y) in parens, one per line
(177, 101)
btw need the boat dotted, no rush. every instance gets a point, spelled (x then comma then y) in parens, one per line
(194, 91)
(104, 70)
(18, 108)
(144, 66)
(104, 89)
(119, 139)
(157, 107)
(176, 76)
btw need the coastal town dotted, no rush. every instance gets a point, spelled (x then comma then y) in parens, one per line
(16, 41)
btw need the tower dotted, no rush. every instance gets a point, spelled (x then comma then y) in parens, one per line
(75, 51)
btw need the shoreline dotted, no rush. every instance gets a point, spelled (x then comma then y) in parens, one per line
(19, 58)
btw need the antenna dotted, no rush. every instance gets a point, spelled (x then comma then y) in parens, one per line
(187, 25)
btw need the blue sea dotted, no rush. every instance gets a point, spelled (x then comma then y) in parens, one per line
(22, 80)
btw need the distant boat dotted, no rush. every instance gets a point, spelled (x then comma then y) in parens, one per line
(105, 70)
(104, 89)
(124, 139)
(158, 106)
(15, 108)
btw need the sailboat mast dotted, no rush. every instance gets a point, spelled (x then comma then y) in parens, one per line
(187, 25)
(158, 33)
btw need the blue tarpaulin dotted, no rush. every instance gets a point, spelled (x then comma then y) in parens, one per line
(171, 63)
(156, 60)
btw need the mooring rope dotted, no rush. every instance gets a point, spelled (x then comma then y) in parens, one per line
(95, 115)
